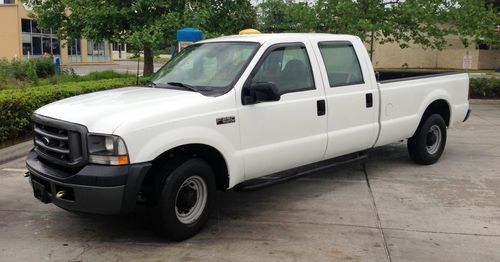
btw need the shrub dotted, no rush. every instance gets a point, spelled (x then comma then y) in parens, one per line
(103, 75)
(17, 69)
(485, 87)
(44, 67)
(17, 105)
(15, 72)
(31, 73)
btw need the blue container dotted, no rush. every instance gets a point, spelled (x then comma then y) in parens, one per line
(57, 64)
(189, 35)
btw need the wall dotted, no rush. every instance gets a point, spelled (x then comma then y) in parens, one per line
(10, 33)
(489, 59)
(392, 56)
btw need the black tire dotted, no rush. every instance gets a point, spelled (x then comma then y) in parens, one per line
(173, 207)
(427, 144)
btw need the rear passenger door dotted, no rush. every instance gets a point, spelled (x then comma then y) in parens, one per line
(352, 104)
(280, 135)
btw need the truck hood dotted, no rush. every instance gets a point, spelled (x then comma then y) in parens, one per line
(103, 112)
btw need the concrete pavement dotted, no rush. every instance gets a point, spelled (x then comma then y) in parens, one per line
(120, 66)
(449, 211)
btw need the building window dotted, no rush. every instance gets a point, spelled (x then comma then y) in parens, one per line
(74, 47)
(56, 47)
(7, 1)
(27, 49)
(36, 43)
(74, 51)
(34, 27)
(46, 46)
(117, 46)
(98, 51)
(26, 25)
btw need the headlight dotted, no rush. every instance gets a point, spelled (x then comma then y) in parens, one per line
(107, 150)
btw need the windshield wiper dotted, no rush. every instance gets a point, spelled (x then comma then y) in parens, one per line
(186, 86)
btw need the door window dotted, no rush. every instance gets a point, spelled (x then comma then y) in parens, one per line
(342, 65)
(288, 68)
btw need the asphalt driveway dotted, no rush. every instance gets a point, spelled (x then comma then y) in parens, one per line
(396, 211)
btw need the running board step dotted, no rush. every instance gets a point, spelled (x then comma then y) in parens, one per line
(281, 177)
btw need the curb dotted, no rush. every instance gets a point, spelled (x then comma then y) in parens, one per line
(14, 152)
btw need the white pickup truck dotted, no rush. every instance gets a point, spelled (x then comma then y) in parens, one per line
(228, 111)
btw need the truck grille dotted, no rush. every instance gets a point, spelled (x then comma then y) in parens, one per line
(59, 142)
(52, 141)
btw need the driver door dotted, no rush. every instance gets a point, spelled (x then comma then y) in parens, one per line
(291, 132)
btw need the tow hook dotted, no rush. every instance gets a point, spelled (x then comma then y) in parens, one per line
(60, 194)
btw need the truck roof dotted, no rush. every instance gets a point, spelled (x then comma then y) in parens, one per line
(262, 38)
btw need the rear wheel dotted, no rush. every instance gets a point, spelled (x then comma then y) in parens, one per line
(186, 199)
(427, 144)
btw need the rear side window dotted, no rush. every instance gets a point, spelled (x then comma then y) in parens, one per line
(341, 64)
(288, 68)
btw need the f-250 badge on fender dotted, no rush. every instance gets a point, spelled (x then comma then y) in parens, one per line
(225, 120)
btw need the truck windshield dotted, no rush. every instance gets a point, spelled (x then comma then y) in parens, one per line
(205, 67)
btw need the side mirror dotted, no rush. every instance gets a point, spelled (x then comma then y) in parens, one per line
(260, 92)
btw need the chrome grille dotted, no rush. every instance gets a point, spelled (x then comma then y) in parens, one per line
(60, 142)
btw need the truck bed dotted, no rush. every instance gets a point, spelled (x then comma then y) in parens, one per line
(404, 98)
(387, 76)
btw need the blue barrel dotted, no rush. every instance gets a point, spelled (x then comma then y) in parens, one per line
(189, 34)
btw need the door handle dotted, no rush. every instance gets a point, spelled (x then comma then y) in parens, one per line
(321, 107)
(369, 100)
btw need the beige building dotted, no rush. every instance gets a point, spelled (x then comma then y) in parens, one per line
(20, 38)
(392, 56)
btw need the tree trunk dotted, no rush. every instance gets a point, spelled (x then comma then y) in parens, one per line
(148, 62)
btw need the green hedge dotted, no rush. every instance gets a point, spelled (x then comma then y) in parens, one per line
(17, 105)
(485, 87)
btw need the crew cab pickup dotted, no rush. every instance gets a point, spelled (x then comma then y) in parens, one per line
(227, 111)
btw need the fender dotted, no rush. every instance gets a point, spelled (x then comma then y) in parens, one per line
(438, 94)
(161, 143)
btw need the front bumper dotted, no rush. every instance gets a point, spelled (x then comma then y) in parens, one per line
(97, 189)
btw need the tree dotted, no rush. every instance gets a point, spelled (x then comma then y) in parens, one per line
(143, 24)
(286, 16)
(424, 22)
(227, 17)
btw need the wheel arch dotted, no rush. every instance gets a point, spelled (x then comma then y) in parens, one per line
(206, 152)
(439, 106)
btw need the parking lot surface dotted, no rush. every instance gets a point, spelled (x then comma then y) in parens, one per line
(396, 211)
(120, 66)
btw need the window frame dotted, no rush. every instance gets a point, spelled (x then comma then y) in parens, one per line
(272, 48)
(341, 44)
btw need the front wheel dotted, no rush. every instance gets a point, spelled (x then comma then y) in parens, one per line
(186, 200)
(427, 144)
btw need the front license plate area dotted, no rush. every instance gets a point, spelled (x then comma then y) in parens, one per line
(40, 192)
